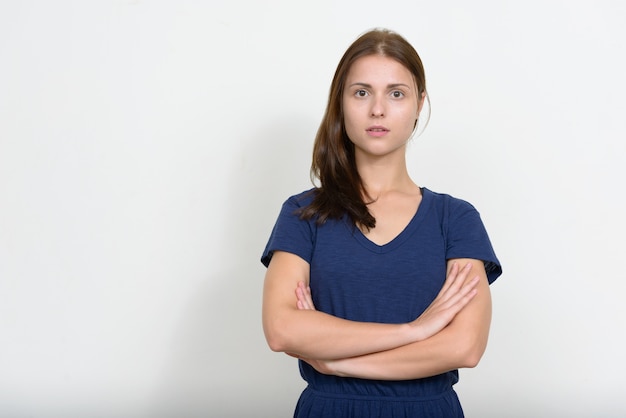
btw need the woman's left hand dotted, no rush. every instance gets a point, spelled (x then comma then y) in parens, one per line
(303, 297)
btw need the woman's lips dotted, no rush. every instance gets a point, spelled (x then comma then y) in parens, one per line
(377, 131)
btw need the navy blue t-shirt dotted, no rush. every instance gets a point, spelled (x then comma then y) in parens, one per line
(353, 278)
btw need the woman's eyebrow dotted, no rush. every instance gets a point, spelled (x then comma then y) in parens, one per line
(360, 85)
(389, 86)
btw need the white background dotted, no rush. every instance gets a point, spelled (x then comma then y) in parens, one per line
(146, 148)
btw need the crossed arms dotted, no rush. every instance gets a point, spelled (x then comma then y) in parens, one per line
(451, 333)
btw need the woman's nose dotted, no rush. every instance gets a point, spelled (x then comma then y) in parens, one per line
(378, 109)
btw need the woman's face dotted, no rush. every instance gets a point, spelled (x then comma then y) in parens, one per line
(380, 106)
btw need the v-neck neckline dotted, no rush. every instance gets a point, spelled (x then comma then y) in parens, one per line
(399, 239)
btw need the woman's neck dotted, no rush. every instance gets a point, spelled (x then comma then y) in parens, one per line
(380, 178)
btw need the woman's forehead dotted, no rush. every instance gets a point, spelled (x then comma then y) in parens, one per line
(379, 69)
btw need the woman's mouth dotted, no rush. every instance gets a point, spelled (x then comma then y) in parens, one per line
(377, 130)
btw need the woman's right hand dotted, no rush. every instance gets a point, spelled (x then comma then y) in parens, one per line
(456, 293)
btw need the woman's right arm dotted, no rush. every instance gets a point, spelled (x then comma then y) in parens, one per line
(312, 334)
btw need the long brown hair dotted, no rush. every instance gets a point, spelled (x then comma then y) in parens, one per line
(341, 190)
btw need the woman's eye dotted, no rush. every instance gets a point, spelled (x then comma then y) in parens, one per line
(397, 94)
(361, 93)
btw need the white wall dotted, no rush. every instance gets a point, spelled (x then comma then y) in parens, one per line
(146, 147)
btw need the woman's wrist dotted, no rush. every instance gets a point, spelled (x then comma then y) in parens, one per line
(339, 367)
(416, 332)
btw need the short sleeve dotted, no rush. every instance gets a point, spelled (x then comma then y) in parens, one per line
(291, 233)
(467, 237)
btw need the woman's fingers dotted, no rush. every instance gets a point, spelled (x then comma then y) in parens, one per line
(453, 296)
(303, 297)
(455, 280)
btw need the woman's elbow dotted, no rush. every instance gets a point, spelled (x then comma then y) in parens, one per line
(472, 359)
(275, 346)
(275, 336)
(472, 353)
(275, 343)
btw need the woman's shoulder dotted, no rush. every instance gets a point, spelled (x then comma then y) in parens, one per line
(301, 199)
(448, 202)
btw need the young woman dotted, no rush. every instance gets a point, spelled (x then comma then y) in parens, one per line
(379, 286)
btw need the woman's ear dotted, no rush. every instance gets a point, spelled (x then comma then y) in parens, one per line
(420, 103)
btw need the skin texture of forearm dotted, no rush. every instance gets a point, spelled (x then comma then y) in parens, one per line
(309, 334)
(436, 355)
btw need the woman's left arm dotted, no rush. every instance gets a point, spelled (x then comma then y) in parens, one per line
(459, 345)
